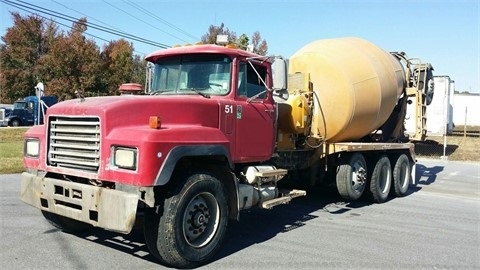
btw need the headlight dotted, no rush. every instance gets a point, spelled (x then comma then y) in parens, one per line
(32, 147)
(125, 158)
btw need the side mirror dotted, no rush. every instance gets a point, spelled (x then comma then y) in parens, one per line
(279, 69)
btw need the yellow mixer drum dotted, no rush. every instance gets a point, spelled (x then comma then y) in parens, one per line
(356, 85)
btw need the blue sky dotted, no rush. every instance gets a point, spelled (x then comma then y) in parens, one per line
(445, 33)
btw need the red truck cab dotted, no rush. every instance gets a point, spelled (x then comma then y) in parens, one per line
(97, 161)
(230, 80)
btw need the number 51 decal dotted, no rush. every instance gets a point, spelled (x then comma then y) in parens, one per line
(229, 110)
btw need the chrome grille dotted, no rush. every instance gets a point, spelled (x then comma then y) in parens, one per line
(74, 143)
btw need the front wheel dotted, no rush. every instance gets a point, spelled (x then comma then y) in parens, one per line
(187, 230)
(15, 123)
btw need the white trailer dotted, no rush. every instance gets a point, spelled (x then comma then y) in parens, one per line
(439, 112)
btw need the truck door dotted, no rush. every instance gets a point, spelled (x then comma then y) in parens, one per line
(255, 115)
(31, 113)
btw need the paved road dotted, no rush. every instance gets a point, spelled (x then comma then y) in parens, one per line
(437, 226)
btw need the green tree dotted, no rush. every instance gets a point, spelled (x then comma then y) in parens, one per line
(73, 64)
(117, 61)
(139, 70)
(121, 65)
(33, 50)
(24, 44)
(243, 41)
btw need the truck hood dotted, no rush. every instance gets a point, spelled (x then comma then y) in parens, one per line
(131, 110)
(8, 112)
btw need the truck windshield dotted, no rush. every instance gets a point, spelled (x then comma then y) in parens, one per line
(208, 74)
(19, 105)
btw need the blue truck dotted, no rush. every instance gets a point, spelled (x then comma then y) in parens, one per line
(27, 112)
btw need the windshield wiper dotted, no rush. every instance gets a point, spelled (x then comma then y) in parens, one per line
(197, 90)
(159, 92)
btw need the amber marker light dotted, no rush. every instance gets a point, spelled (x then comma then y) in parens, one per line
(154, 122)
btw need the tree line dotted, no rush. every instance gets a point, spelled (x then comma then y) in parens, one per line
(35, 50)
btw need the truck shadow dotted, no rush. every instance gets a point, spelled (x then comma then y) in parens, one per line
(431, 148)
(255, 226)
(424, 176)
(427, 175)
(260, 225)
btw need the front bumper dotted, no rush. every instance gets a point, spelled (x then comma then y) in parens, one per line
(101, 207)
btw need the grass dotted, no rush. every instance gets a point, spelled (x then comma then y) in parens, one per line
(459, 147)
(463, 145)
(11, 149)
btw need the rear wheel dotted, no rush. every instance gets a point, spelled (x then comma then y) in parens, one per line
(401, 175)
(381, 180)
(187, 230)
(66, 224)
(351, 176)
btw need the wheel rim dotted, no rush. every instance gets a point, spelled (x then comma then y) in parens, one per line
(200, 221)
(384, 179)
(359, 177)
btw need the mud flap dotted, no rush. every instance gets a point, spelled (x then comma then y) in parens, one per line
(414, 173)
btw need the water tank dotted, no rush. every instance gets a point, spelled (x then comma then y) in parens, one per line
(356, 85)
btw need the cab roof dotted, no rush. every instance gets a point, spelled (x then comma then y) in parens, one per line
(203, 48)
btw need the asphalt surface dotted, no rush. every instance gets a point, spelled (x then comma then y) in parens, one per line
(436, 226)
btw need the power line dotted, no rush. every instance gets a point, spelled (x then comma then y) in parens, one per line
(89, 24)
(62, 24)
(98, 27)
(153, 15)
(129, 14)
(90, 17)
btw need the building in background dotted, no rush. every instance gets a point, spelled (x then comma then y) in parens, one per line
(466, 109)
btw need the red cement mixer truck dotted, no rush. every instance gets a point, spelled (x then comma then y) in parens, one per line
(219, 131)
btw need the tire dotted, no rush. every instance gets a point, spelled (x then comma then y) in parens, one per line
(187, 230)
(66, 224)
(401, 176)
(351, 176)
(15, 123)
(381, 180)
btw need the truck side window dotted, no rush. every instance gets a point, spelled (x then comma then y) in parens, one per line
(249, 83)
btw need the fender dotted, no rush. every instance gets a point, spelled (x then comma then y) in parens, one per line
(166, 170)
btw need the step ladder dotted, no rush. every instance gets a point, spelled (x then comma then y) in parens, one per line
(287, 196)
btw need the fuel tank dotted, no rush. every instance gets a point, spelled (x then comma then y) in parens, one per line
(356, 86)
